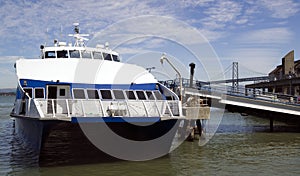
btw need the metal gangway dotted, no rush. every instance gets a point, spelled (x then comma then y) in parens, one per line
(245, 97)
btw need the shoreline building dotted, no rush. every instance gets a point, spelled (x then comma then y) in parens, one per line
(284, 79)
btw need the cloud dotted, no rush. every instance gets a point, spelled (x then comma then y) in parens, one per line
(280, 9)
(259, 50)
(271, 36)
(212, 35)
(37, 22)
(220, 14)
(8, 59)
(143, 27)
(239, 22)
(7, 71)
(41, 21)
(194, 3)
(254, 61)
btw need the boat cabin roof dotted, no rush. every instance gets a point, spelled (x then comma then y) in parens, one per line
(79, 53)
(78, 50)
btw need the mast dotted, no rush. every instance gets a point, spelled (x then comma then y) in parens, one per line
(79, 38)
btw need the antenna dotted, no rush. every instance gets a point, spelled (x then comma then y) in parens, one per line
(61, 31)
(79, 38)
(47, 31)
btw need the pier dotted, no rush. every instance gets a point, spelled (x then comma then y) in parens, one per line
(273, 96)
(257, 104)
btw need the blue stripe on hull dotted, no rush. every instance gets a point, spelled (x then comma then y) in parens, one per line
(114, 119)
(40, 83)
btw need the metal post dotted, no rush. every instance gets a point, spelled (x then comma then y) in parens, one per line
(290, 87)
(68, 108)
(192, 71)
(53, 107)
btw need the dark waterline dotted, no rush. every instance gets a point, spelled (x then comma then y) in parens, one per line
(242, 146)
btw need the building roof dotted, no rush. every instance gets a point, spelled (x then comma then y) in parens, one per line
(277, 69)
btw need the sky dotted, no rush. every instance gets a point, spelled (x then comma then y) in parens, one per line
(254, 33)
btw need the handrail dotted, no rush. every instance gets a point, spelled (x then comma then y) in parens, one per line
(53, 107)
(67, 108)
(250, 93)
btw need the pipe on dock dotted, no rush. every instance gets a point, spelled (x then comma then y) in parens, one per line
(192, 71)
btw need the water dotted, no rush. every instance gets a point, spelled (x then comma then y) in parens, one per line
(242, 146)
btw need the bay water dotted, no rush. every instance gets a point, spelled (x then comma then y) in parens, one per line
(242, 145)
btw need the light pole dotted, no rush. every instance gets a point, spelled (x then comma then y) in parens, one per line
(164, 57)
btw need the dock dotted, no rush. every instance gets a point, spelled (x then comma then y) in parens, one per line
(273, 96)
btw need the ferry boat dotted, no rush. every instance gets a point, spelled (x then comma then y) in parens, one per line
(67, 97)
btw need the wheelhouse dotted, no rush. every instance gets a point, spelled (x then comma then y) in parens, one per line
(79, 53)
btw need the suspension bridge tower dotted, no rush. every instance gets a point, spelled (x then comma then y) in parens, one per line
(235, 77)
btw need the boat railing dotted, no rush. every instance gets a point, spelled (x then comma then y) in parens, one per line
(66, 108)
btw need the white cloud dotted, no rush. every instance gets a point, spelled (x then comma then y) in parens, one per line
(7, 72)
(224, 11)
(25, 29)
(241, 21)
(266, 36)
(221, 13)
(143, 27)
(194, 3)
(8, 59)
(212, 35)
(281, 8)
(255, 61)
(31, 20)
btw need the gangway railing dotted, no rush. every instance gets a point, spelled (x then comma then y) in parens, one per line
(66, 108)
(223, 90)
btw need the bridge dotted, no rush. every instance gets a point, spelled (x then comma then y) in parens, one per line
(243, 100)
(258, 78)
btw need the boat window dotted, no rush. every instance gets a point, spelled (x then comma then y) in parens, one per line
(50, 54)
(97, 55)
(130, 95)
(106, 56)
(78, 94)
(106, 94)
(150, 95)
(74, 54)
(119, 94)
(62, 92)
(39, 93)
(141, 95)
(28, 91)
(116, 58)
(158, 95)
(62, 54)
(86, 54)
(92, 94)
